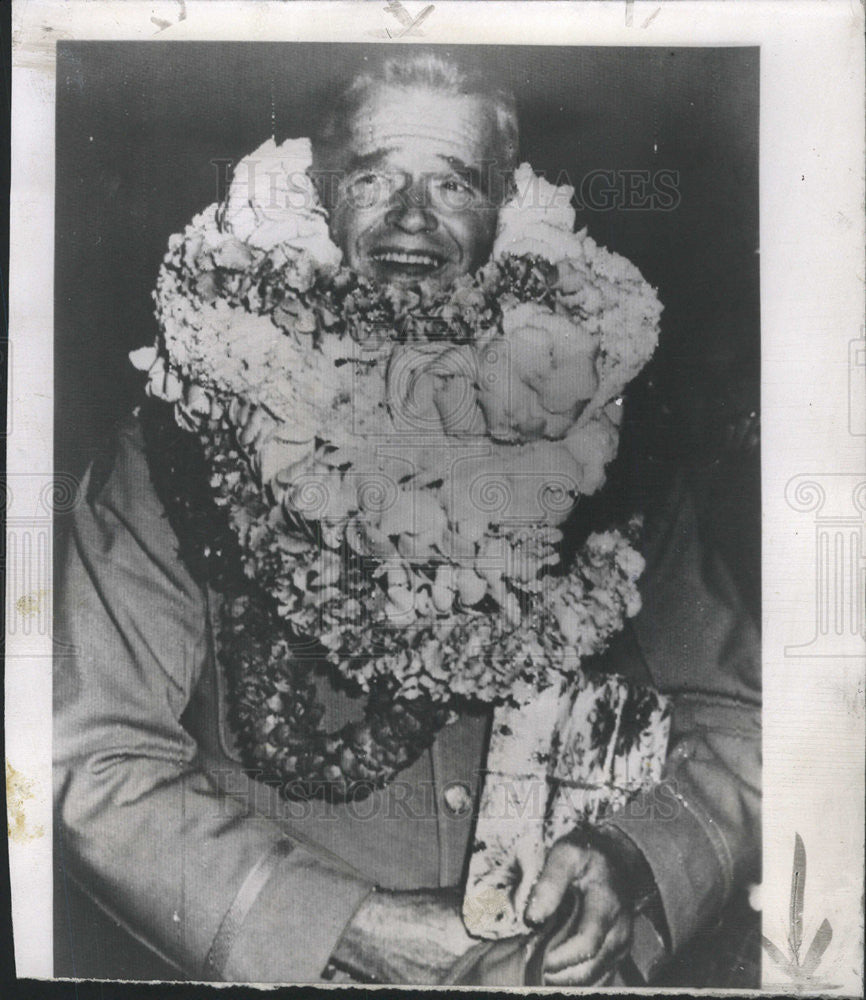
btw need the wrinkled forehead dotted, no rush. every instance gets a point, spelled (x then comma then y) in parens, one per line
(420, 121)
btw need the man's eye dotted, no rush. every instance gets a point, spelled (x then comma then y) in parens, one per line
(367, 188)
(454, 193)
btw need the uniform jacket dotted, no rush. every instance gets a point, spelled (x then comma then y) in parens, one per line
(225, 880)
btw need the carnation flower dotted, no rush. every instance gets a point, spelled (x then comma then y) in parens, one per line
(593, 446)
(431, 389)
(537, 219)
(272, 202)
(534, 375)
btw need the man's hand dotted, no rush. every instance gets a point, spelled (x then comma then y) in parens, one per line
(405, 937)
(602, 932)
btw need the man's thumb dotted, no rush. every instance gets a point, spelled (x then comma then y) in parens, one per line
(550, 887)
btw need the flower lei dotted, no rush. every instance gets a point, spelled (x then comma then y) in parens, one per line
(390, 467)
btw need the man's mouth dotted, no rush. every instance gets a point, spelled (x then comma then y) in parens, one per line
(407, 263)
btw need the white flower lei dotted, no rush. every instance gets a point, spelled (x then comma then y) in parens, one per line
(444, 463)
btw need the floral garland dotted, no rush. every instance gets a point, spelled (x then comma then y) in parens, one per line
(395, 464)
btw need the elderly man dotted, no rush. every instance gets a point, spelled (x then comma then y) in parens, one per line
(167, 832)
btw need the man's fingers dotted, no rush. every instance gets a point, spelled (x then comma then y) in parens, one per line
(591, 970)
(598, 914)
(564, 864)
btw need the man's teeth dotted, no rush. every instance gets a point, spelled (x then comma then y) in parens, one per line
(394, 257)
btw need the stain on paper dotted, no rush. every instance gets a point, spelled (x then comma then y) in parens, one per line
(489, 902)
(30, 605)
(410, 25)
(19, 790)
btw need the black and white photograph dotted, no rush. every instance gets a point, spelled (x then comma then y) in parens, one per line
(406, 518)
(430, 535)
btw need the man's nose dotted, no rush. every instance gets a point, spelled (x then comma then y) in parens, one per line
(410, 211)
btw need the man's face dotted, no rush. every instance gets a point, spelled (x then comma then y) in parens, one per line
(412, 200)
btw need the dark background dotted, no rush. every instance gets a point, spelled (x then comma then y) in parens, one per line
(139, 124)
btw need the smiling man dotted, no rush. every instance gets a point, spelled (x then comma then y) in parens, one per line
(417, 162)
(162, 824)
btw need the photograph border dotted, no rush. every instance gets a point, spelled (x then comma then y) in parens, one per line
(812, 354)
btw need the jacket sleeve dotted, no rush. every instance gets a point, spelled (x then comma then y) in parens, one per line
(218, 892)
(699, 829)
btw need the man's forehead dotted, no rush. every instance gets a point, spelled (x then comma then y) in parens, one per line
(423, 122)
